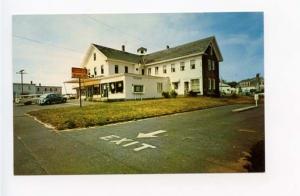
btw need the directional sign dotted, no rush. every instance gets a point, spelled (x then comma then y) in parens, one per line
(151, 134)
(132, 143)
(79, 72)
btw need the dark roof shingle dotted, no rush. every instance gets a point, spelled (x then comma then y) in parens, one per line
(178, 51)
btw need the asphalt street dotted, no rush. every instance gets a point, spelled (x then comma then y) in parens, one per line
(211, 140)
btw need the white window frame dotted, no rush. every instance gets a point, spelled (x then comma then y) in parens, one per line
(194, 84)
(138, 92)
(173, 69)
(149, 71)
(209, 84)
(193, 64)
(182, 66)
(165, 69)
(156, 70)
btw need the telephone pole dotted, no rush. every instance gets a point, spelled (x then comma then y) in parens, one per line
(21, 72)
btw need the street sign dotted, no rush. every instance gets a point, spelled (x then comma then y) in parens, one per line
(79, 72)
(256, 98)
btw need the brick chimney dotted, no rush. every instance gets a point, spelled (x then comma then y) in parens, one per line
(123, 48)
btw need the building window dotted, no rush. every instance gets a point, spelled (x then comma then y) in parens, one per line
(55, 89)
(209, 64)
(116, 69)
(95, 71)
(94, 56)
(102, 69)
(126, 69)
(175, 85)
(138, 88)
(159, 87)
(164, 69)
(116, 87)
(193, 64)
(38, 89)
(213, 84)
(45, 89)
(172, 67)
(149, 71)
(156, 70)
(212, 65)
(195, 85)
(119, 87)
(181, 66)
(143, 72)
(209, 84)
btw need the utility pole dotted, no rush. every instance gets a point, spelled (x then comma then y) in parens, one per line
(21, 72)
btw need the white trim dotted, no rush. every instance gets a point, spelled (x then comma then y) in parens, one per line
(173, 59)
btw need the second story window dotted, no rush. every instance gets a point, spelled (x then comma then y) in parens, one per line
(102, 69)
(212, 65)
(156, 70)
(209, 64)
(172, 67)
(164, 69)
(193, 64)
(126, 69)
(116, 69)
(94, 56)
(181, 66)
(149, 71)
(95, 71)
(143, 72)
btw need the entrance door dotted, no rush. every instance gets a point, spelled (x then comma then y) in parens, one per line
(186, 88)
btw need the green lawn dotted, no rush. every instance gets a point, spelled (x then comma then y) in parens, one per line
(104, 113)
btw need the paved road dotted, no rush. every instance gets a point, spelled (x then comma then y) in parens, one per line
(211, 140)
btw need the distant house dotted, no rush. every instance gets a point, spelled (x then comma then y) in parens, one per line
(255, 84)
(28, 88)
(117, 74)
(48, 89)
(226, 89)
(31, 88)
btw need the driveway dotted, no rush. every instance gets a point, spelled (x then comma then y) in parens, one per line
(211, 140)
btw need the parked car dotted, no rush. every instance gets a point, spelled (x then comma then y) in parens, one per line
(70, 96)
(51, 98)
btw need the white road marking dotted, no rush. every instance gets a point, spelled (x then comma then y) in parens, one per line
(151, 134)
(121, 141)
(144, 146)
(130, 144)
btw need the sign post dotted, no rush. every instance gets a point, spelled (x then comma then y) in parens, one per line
(79, 73)
(256, 97)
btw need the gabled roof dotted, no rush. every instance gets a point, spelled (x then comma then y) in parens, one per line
(198, 46)
(191, 48)
(118, 54)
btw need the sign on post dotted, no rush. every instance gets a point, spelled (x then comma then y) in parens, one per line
(256, 97)
(79, 73)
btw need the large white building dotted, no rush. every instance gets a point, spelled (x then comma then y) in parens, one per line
(117, 74)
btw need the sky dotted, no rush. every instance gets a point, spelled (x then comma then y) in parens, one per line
(47, 46)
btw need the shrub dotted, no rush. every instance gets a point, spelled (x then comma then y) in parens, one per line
(70, 124)
(173, 94)
(89, 99)
(165, 94)
(234, 95)
(192, 94)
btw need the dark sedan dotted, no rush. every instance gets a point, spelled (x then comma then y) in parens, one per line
(51, 98)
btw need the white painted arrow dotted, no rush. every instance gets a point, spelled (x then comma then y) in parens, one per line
(151, 134)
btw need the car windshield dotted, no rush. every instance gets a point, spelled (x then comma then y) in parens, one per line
(44, 95)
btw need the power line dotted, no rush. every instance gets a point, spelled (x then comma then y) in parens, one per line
(49, 44)
(121, 31)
